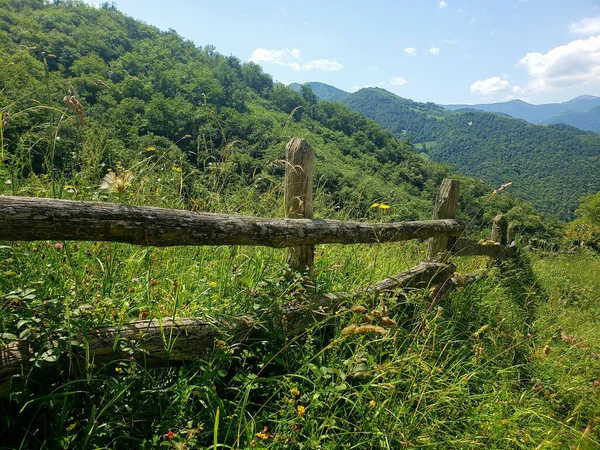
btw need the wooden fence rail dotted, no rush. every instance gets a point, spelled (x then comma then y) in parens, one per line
(29, 219)
(158, 342)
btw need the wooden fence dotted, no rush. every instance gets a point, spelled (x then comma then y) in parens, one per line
(28, 219)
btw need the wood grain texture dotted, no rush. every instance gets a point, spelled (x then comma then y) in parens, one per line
(499, 229)
(445, 207)
(299, 197)
(30, 219)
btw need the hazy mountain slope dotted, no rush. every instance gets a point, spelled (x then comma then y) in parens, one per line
(535, 113)
(322, 90)
(587, 120)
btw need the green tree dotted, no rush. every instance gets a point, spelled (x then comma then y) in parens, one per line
(589, 208)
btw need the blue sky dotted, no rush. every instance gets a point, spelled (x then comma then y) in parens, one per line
(444, 51)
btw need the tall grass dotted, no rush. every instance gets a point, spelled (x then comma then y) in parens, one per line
(510, 361)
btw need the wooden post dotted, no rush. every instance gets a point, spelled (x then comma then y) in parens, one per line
(510, 232)
(445, 206)
(499, 229)
(298, 197)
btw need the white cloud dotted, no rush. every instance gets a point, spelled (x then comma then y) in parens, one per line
(398, 81)
(587, 25)
(574, 64)
(434, 51)
(473, 20)
(490, 86)
(517, 90)
(411, 51)
(452, 41)
(291, 58)
(442, 4)
(326, 65)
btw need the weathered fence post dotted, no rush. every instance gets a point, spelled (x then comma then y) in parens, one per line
(499, 229)
(298, 197)
(445, 206)
(511, 232)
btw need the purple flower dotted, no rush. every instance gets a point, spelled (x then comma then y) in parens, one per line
(58, 245)
(596, 383)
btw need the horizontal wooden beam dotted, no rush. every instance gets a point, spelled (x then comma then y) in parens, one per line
(467, 247)
(30, 219)
(167, 341)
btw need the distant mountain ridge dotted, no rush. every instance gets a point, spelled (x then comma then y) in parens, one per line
(322, 90)
(573, 112)
(587, 120)
(550, 165)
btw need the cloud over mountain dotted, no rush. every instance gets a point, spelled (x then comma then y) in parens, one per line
(291, 58)
(574, 64)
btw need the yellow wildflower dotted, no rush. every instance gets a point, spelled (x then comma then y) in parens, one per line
(383, 206)
(372, 403)
(301, 410)
(212, 283)
(295, 391)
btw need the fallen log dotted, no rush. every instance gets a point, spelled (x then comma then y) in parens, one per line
(30, 219)
(160, 342)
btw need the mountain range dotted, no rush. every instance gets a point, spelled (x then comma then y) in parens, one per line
(550, 165)
(581, 112)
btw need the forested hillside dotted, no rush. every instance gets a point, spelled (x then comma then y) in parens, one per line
(322, 90)
(586, 120)
(551, 166)
(139, 97)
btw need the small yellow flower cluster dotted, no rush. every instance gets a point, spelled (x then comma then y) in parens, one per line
(301, 410)
(295, 392)
(262, 435)
(380, 206)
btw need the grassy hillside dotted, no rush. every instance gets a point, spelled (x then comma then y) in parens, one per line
(550, 166)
